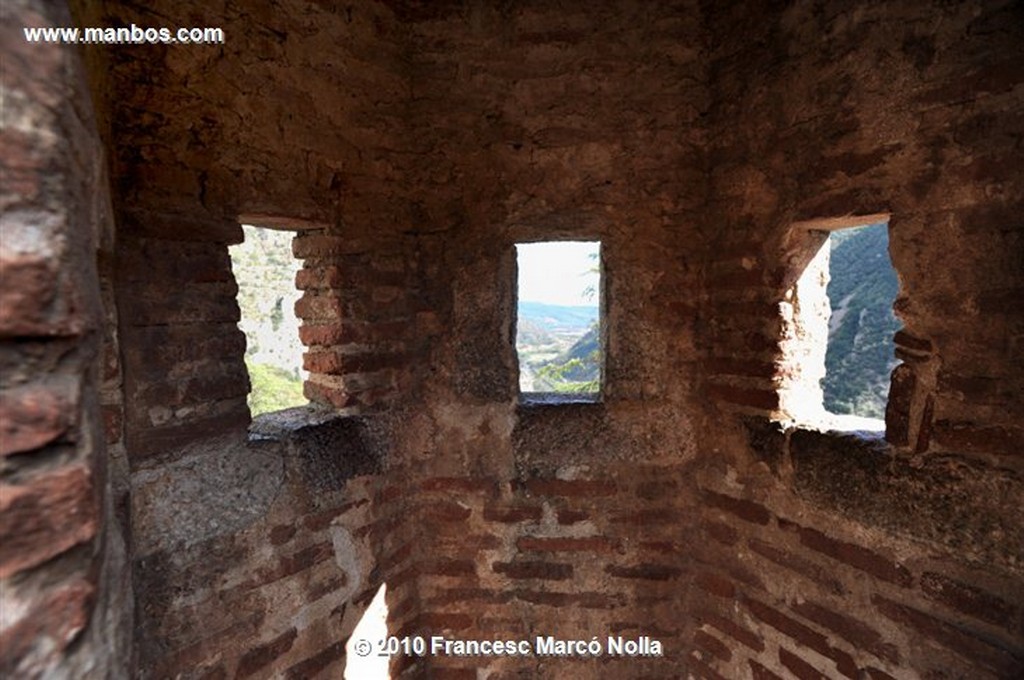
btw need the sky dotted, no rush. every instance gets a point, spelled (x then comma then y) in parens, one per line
(558, 272)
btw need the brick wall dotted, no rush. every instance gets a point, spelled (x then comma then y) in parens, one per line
(64, 581)
(830, 555)
(688, 138)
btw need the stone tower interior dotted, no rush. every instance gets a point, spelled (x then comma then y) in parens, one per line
(409, 145)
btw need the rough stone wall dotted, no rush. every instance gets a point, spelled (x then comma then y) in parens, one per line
(65, 601)
(412, 145)
(269, 558)
(536, 122)
(829, 555)
(246, 560)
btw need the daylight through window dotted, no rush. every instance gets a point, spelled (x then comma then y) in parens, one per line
(861, 353)
(558, 319)
(838, 327)
(265, 272)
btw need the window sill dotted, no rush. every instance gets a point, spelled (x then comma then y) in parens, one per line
(283, 424)
(557, 398)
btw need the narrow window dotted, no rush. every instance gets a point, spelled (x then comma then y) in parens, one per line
(838, 326)
(861, 290)
(265, 272)
(558, 320)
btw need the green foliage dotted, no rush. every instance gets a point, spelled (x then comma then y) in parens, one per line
(265, 271)
(860, 352)
(577, 370)
(273, 389)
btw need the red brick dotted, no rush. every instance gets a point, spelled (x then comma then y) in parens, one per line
(660, 547)
(290, 565)
(974, 438)
(31, 417)
(961, 641)
(908, 341)
(330, 396)
(723, 533)
(440, 622)
(803, 635)
(853, 555)
(318, 521)
(460, 484)
(738, 277)
(153, 351)
(323, 306)
(744, 509)
(968, 599)
(312, 246)
(207, 648)
(733, 630)
(442, 511)
(44, 517)
(649, 517)
(281, 534)
(193, 303)
(511, 514)
(258, 658)
(113, 423)
(28, 299)
(857, 633)
(711, 644)
(571, 488)
(657, 489)
(767, 400)
(144, 260)
(325, 586)
(897, 410)
(319, 278)
(924, 432)
(584, 600)
(645, 572)
(798, 564)
(549, 571)
(716, 585)
(597, 544)
(446, 567)
(744, 367)
(702, 670)
(759, 672)
(798, 667)
(320, 661)
(450, 596)
(53, 622)
(570, 516)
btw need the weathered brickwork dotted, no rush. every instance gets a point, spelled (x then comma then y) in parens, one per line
(409, 146)
(64, 583)
(827, 558)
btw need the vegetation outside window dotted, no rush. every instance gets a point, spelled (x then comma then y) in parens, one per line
(265, 272)
(558, 320)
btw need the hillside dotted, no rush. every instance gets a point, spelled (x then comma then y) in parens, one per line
(860, 353)
(265, 272)
(557, 318)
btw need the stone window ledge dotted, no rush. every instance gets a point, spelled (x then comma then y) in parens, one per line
(285, 424)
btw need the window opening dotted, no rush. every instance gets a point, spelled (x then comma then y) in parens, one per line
(265, 272)
(558, 320)
(861, 352)
(838, 347)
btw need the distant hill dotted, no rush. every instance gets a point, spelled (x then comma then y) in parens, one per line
(265, 271)
(577, 369)
(860, 353)
(558, 318)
